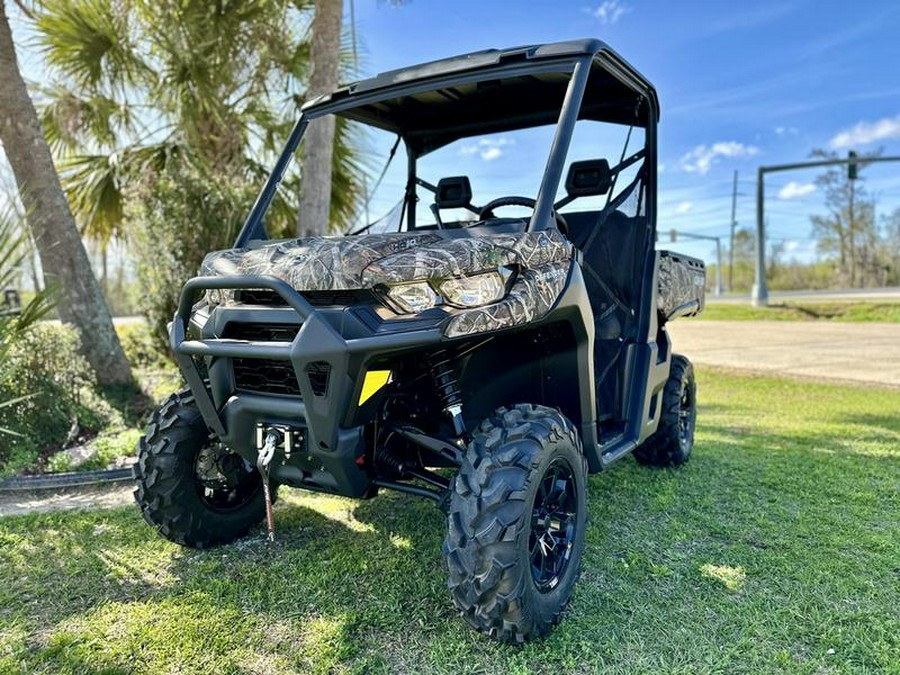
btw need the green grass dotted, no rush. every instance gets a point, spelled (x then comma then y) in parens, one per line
(776, 549)
(811, 311)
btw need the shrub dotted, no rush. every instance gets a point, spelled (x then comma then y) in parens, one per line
(44, 365)
(141, 349)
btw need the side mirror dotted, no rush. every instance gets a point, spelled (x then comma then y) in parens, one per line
(453, 193)
(588, 178)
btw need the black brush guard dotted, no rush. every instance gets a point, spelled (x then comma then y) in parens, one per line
(317, 343)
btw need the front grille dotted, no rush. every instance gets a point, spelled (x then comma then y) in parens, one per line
(264, 375)
(338, 298)
(261, 297)
(262, 332)
(267, 298)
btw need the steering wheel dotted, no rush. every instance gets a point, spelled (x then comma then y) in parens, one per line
(487, 211)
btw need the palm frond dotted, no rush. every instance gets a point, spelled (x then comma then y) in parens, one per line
(94, 186)
(14, 246)
(38, 308)
(71, 121)
(12, 402)
(88, 41)
(9, 404)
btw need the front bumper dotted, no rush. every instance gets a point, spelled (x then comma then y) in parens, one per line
(331, 441)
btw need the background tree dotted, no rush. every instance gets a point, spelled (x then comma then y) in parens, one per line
(891, 247)
(315, 185)
(744, 257)
(65, 263)
(168, 114)
(848, 232)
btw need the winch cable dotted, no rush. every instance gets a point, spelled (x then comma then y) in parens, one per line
(263, 461)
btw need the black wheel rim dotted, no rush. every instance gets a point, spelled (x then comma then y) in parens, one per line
(686, 415)
(224, 481)
(553, 522)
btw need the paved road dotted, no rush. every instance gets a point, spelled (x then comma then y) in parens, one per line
(860, 352)
(887, 294)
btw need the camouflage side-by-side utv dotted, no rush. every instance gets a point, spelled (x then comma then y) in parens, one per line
(486, 362)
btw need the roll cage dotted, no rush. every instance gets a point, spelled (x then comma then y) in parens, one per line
(431, 105)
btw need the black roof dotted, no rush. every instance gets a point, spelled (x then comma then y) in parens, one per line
(491, 91)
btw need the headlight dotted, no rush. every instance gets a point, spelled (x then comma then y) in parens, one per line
(474, 291)
(414, 297)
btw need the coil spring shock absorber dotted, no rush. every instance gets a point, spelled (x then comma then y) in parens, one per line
(447, 387)
(387, 458)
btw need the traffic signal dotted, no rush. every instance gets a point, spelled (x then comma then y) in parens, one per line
(852, 169)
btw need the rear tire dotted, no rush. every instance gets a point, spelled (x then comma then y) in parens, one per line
(516, 523)
(673, 441)
(193, 491)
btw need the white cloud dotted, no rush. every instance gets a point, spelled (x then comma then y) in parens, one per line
(684, 207)
(488, 149)
(610, 11)
(700, 159)
(794, 190)
(884, 129)
(786, 131)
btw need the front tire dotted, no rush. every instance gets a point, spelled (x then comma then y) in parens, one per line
(673, 441)
(516, 523)
(191, 489)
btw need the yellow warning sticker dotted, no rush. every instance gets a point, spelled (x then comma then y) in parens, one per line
(375, 380)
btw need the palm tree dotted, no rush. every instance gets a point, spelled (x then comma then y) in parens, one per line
(138, 84)
(63, 258)
(144, 95)
(315, 184)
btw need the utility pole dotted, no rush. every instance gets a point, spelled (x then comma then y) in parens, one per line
(851, 176)
(760, 294)
(733, 226)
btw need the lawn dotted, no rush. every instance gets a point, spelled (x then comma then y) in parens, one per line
(776, 549)
(888, 312)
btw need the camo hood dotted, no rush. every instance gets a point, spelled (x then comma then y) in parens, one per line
(365, 261)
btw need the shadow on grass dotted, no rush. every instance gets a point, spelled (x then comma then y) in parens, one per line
(889, 423)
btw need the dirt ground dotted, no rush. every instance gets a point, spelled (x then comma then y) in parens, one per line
(98, 497)
(849, 352)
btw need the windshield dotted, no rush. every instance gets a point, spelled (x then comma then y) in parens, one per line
(478, 151)
(496, 166)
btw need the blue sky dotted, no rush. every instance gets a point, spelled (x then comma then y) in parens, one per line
(740, 84)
